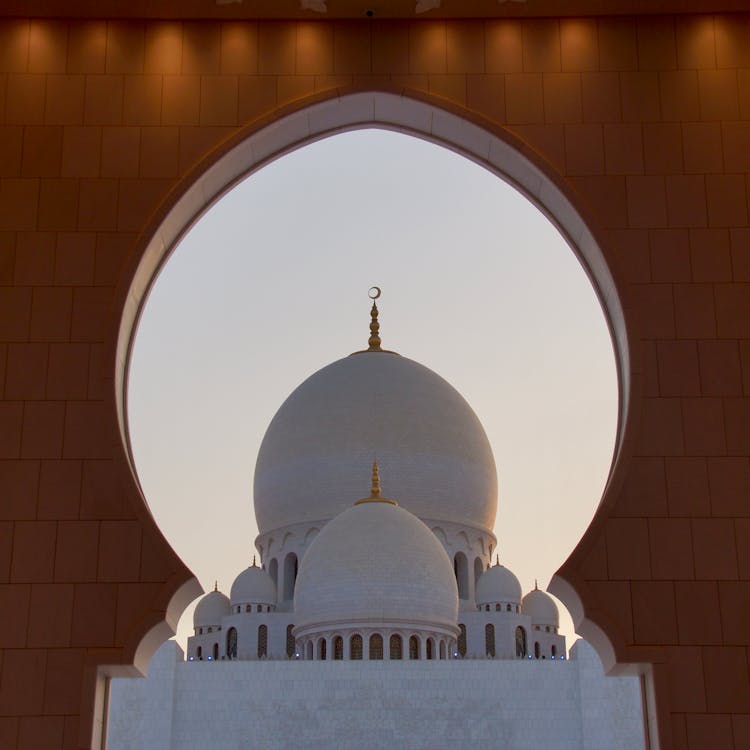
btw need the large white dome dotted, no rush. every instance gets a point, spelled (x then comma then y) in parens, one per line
(380, 404)
(375, 563)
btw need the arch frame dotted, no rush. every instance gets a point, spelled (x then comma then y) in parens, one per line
(467, 133)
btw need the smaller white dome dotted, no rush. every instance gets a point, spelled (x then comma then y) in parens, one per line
(376, 563)
(253, 586)
(498, 584)
(211, 608)
(541, 608)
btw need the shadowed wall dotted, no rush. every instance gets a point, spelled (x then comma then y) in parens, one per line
(644, 122)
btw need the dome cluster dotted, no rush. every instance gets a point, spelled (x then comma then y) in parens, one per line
(378, 578)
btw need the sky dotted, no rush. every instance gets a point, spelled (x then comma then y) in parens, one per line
(271, 284)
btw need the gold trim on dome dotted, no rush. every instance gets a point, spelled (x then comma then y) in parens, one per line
(375, 489)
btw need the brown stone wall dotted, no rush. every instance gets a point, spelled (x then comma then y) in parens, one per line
(644, 121)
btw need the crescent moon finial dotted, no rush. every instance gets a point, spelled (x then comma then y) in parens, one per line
(373, 343)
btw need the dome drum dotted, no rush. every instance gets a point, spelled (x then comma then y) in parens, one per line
(376, 643)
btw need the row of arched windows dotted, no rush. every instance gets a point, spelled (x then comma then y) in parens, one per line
(376, 650)
(199, 652)
(258, 608)
(499, 608)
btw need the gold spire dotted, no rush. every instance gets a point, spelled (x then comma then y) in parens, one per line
(375, 489)
(373, 343)
(497, 561)
(536, 585)
(216, 585)
(254, 565)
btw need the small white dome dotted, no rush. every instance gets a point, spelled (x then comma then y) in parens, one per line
(211, 608)
(376, 563)
(498, 584)
(541, 608)
(253, 586)
(440, 464)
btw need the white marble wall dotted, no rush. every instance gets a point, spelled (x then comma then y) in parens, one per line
(514, 705)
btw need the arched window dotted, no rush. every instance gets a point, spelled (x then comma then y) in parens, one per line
(338, 648)
(461, 569)
(355, 647)
(309, 651)
(442, 649)
(210, 630)
(248, 608)
(507, 607)
(489, 640)
(497, 608)
(216, 651)
(414, 647)
(520, 642)
(322, 648)
(462, 640)
(376, 646)
(553, 651)
(486, 607)
(258, 608)
(430, 649)
(273, 570)
(536, 650)
(478, 570)
(396, 646)
(289, 641)
(232, 643)
(262, 641)
(199, 652)
(290, 575)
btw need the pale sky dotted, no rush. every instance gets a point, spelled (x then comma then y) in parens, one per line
(271, 285)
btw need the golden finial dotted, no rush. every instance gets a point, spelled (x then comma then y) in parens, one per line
(375, 489)
(216, 585)
(536, 585)
(254, 565)
(373, 343)
(497, 560)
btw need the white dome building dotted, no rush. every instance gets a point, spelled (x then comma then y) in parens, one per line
(541, 609)
(211, 609)
(253, 588)
(375, 402)
(393, 594)
(498, 588)
(376, 581)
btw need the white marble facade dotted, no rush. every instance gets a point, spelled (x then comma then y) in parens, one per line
(366, 705)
